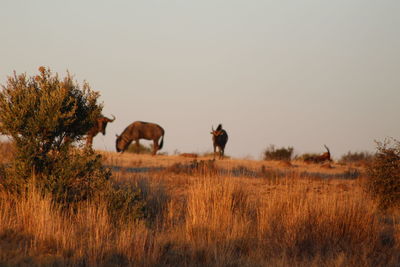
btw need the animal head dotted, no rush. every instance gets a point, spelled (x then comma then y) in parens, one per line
(122, 143)
(119, 143)
(216, 132)
(102, 123)
(219, 136)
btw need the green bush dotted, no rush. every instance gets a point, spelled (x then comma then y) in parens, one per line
(76, 176)
(384, 174)
(126, 203)
(272, 153)
(44, 116)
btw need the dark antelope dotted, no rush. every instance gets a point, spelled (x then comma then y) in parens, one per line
(98, 127)
(140, 130)
(320, 158)
(219, 137)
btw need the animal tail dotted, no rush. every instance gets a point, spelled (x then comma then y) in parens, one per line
(161, 143)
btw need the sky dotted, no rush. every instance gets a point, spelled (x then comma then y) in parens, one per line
(287, 73)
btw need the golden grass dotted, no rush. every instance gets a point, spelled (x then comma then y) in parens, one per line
(132, 160)
(206, 219)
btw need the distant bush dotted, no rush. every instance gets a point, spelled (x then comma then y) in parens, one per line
(44, 116)
(211, 155)
(384, 174)
(202, 167)
(307, 156)
(141, 149)
(283, 153)
(356, 157)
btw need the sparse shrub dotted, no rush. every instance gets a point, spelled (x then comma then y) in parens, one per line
(307, 156)
(125, 203)
(211, 155)
(357, 157)
(44, 116)
(384, 174)
(202, 167)
(141, 149)
(283, 153)
(244, 171)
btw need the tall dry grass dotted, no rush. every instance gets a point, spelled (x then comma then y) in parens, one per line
(208, 221)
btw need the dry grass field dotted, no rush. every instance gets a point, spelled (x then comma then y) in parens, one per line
(230, 212)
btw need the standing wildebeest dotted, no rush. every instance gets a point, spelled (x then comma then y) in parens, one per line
(320, 158)
(219, 137)
(140, 130)
(98, 127)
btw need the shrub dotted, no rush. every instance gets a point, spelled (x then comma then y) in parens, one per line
(356, 157)
(141, 149)
(384, 174)
(75, 176)
(125, 203)
(202, 167)
(44, 116)
(212, 154)
(307, 156)
(272, 153)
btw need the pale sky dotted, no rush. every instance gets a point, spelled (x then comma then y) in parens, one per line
(288, 73)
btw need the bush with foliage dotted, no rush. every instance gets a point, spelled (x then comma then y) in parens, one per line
(306, 156)
(357, 157)
(44, 115)
(141, 149)
(283, 153)
(126, 203)
(384, 174)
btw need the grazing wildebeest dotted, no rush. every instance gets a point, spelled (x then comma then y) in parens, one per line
(219, 137)
(320, 158)
(98, 127)
(140, 130)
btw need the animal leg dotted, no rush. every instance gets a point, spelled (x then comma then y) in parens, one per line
(155, 147)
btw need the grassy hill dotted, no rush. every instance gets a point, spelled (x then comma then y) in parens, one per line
(201, 212)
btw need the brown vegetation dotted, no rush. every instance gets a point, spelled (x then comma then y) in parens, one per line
(189, 155)
(203, 216)
(283, 153)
